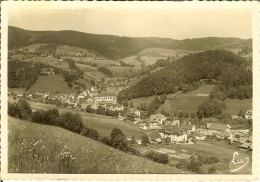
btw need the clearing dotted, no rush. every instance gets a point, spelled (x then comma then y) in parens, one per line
(51, 83)
(235, 105)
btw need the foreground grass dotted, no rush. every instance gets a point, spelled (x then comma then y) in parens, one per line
(35, 148)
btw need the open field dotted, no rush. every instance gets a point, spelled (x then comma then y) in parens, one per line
(103, 124)
(188, 102)
(235, 105)
(99, 60)
(51, 83)
(33, 47)
(121, 71)
(221, 150)
(36, 148)
(131, 60)
(71, 50)
(22, 57)
(16, 90)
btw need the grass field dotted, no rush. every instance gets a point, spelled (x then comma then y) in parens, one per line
(131, 60)
(221, 150)
(22, 57)
(36, 148)
(99, 60)
(120, 71)
(103, 124)
(33, 47)
(235, 105)
(71, 50)
(51, 83)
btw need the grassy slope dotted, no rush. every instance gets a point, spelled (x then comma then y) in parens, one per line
(51, 83)
(221, 150)
(103, 124)
(35, 148)
(235, 105)
(65, 49)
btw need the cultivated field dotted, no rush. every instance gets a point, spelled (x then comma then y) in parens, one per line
(36, 148)
(120, 71)
(51, 83)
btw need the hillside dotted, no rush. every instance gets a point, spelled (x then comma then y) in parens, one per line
(36, 148)
(110, 46)
(185, 74)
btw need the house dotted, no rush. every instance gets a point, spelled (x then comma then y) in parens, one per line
(94, 106)
(154, 136)
(89, 100)
(71, 96)
(143, 126)
(245, 147)
(45, 95)
(223, 135)
(187, 127)
(216, 128)
(200, 136)
(48, 71)
(175, 121)
(107, 97)
(81, 97)
(138, 113)
(172, 132)
(159, 118)
(249, 114)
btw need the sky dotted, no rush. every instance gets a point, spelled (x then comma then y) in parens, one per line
(175, 24)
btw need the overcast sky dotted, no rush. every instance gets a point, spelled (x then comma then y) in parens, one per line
(175, 24)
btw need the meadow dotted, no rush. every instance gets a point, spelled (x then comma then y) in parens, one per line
(71, 50)
(22, 57)
(222, 150)
(51, 83)
(33, 47)
(36, 148)
(99, 60)
(235, 105)
(121, 71)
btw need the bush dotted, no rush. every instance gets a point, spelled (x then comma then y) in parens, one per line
(145, 140)
(48, 117)
(70, 121)
(21, 110)
(91, 133)
(183, 164)
(106, 141)
(158, 157)
(133, 151)
(211, 170)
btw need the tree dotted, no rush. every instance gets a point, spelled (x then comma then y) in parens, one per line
(118, 139)
(211, 170)
(240, 114)
(186, 115)
(131, 105)
(71, 121)
(180, 115)
(167, 141)
(145, 140)
(237, 136)
(133, 141)
(193, 115)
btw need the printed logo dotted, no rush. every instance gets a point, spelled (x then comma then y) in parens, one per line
(237, 163)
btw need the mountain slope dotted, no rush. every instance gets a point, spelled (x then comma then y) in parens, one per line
(110, 46)
(219, 66)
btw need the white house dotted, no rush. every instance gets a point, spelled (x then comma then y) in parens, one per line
(249, 114)
(158, 118)
(200, 136)
(107, 97)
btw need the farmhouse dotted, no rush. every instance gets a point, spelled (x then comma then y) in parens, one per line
(200, 136)
(245, 146)
(216, 128)
(158, 118)
(107, 97)
(48, 71)
(155, 137)
(172, 131)
(249, 114)
(187, 127)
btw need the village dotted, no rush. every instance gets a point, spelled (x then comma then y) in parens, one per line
(159, 128)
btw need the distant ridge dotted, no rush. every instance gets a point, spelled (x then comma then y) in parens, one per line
(110, 46)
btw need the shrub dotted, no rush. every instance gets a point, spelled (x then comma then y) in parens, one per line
(48, 117)
(133, 151)
(21, 110)
(70, 121)
(182, 164)
(158, 157)
(106, 141)
(145, 140)
(211, 170)
(91, 133)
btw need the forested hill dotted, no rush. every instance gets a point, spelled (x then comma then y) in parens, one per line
(110, 46)
(221, 67)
